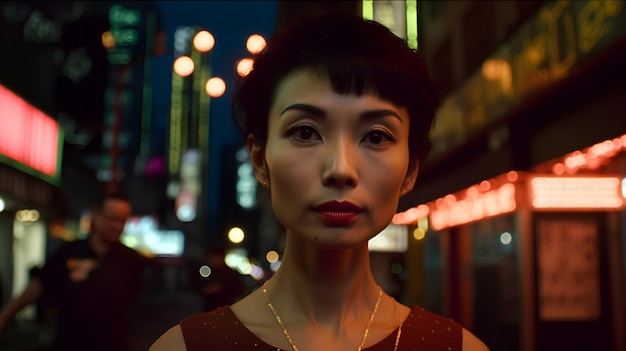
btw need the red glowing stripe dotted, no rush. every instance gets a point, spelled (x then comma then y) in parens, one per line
(27, 135)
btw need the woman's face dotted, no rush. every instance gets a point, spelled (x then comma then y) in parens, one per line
(335, 164)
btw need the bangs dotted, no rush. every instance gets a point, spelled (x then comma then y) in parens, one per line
(359, 76)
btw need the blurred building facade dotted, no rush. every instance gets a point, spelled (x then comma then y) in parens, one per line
(101, 72)
(520, 205)
(44, 62)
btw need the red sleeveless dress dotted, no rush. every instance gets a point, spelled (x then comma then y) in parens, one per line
(221, 330)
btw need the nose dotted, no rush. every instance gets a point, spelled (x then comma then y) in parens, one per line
(340, 164)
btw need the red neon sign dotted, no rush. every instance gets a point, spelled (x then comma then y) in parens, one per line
(28, 135)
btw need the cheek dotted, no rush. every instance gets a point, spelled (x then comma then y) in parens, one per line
(385, 184)
(289, 173)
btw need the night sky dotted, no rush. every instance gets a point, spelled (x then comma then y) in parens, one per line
(230, 22)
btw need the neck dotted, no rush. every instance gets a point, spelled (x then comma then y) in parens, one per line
(325, 286)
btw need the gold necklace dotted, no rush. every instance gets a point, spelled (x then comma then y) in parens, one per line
(395, 309)
(288, 337)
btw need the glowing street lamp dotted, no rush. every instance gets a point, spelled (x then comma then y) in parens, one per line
(184, 66)
(236, 235)
(203, 41)
(215, 87)
(255, 44)
(244, 66)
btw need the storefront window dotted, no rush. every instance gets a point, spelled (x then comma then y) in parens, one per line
(433, 273)
(495, 259)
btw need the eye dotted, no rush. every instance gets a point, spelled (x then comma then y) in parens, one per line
(303, 133)
(377, 137)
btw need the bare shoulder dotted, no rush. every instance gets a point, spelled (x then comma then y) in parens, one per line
(472, 343)
(171, 340)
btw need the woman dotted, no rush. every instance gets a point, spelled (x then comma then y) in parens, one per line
(337, 113)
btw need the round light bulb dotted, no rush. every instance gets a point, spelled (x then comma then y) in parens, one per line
(183, 66)
(255, 43)
(244, 66)
(203, 41)
(215, 87)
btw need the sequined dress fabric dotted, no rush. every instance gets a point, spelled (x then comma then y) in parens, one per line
(221, 330)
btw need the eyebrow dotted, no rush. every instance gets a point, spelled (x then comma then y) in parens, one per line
(318, 112)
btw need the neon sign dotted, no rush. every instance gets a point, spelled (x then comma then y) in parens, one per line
(28, 137)
(451, 212)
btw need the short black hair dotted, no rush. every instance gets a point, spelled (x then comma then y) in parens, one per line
(110, 195)
(359, 56)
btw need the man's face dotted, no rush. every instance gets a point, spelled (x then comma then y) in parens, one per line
(109, 221)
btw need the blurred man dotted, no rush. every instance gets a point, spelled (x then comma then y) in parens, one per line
(92, 282)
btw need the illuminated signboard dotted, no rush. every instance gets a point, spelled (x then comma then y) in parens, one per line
(546, 193)
(561, 36)
(578, 193)
(451, 212)
(30, 140)
(394, 238)
(142, 233)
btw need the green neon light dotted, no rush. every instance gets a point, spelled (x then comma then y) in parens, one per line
(146, 109)
(368, 9)
(411, 23)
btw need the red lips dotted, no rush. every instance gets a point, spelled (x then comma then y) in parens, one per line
(338, 213)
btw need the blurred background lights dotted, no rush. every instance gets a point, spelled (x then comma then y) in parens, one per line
(215, 87)
(506, 238)
(236, 235)
(203, 41)
(255, 44)
(2, 205)
(271, 256)
(419, 234)
(205, 271)
(244, 267)
(27, 216)
(244, 66)
(108, 40)
(256, 272)
(235, 257)
(396, 268)
(183, 66)
(274, 266)
(186, 213)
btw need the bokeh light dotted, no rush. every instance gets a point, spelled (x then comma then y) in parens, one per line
(108, 40)
(183, 66)
(255, 44)
(244, 66)
(215, 87)
(205, 271)
(419, 234)
(236, 235)
(272, 256)
(203, 41)
(506, 238)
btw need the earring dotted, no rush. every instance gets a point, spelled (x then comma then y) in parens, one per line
(263, 183)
